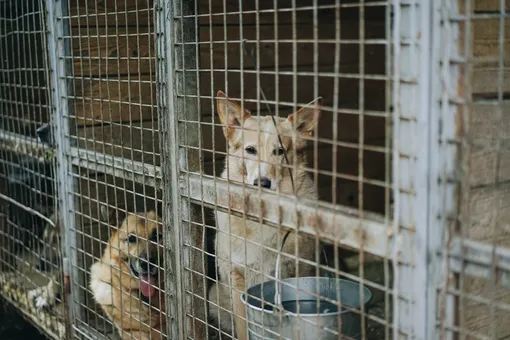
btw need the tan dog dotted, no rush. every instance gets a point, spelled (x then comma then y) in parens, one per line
(128, 280)
(246, 251)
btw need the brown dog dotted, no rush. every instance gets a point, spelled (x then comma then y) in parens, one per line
(128, 280)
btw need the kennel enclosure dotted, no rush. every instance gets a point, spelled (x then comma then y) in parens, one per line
(408, 157)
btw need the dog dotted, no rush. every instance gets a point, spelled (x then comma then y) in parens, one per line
(242, 246)
(127, 282)
(50, 251)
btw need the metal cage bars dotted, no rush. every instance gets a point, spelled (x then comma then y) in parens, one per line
(423, 114)
(371, 233)
(431, 102)
(58, 48)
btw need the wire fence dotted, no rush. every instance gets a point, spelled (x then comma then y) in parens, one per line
(480, 282)
(253, 169)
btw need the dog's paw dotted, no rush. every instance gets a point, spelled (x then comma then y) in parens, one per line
(42, 297)
(102, 292)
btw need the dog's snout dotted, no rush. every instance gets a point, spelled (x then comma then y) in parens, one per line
(264, 182)
(146, 265)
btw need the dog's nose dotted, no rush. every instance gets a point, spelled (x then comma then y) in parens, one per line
(144, 265)
(148, 264)
(264, 182)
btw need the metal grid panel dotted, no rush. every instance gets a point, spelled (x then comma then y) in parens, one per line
(112, 150)
(425, 151)
(273, 59)
(447, 232)
(30, 221)
(479, 288)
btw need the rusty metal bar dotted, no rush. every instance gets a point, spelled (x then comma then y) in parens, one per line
(117, 166)
(423, 123)
(325, 220)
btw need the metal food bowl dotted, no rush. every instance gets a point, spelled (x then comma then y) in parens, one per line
(317, 318)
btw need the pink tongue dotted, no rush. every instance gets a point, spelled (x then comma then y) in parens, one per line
(147, 284)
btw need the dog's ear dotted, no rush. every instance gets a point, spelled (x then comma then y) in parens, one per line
(151, 215)
(112, 216)
(231, 115)
(306, 118)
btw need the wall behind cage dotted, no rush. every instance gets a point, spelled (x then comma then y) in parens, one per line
(114, 100)
(292, 56)
(484, 41)
(23, 88)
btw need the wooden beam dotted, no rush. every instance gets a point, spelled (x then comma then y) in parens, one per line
(485, 54)
(129, 98)
(111, 13)
(374, 89)
(113, 51)
(138, 141)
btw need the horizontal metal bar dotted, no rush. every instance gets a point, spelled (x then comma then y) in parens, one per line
(478, 259)
(369, 233)
(24, 145)
(117, 166)
(88, 332)
(283, 10)
(27, 209)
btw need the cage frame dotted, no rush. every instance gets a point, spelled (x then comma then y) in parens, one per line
(429, 116)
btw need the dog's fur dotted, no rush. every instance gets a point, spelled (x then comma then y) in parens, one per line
(50, 257)
(47, 296)
(116, 279)
(242, 253)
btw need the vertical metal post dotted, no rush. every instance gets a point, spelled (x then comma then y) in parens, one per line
(444, 204)
(422, 163)
(178, 103)
(165, 55)
(187, 114)
(59, 68)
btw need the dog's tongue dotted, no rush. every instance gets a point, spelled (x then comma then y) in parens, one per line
(147, 283)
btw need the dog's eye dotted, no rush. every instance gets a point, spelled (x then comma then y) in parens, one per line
(131, 238)
(156, 236)
(279, 151)
(251, 150)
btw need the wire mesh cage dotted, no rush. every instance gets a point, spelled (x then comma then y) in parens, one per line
(255, 169)
(323, 71)
(479, 290)
(114, 138)
(30, 243)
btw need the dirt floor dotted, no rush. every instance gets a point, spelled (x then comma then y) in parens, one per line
(14, 327)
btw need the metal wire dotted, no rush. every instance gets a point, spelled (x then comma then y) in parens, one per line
(481, 53)
(402, 186)
(218, 72)
(30, 252)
